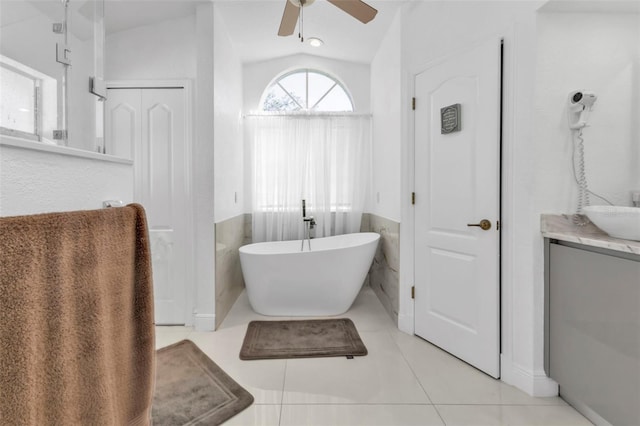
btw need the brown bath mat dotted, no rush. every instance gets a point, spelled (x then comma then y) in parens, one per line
(301, 339)
(192, 390)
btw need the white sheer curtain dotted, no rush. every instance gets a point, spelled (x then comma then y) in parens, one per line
(323, 159)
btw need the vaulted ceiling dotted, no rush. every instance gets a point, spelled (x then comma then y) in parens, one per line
(253, 25)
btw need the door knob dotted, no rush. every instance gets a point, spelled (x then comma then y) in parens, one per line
(484, 224)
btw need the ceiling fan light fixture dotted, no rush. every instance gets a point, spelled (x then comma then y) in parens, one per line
(315, 41)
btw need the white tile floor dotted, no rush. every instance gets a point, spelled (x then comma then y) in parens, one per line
(402, 381)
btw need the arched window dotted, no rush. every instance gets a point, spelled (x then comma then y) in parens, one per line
(306, 90)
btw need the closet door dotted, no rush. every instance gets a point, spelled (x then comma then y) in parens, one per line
(149, 125)
(122, 122)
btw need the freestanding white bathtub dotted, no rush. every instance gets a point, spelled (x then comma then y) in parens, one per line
(281, 280)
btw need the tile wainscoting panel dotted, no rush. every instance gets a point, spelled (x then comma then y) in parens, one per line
(231, 234)
(384, 273)
(248, 230)
(365, 223)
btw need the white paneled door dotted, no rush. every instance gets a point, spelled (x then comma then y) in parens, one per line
(457, 208)
(149, 126)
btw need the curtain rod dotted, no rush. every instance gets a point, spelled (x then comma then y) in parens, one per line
(329, 114)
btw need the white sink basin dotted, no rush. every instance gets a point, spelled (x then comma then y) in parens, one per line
(617, 221)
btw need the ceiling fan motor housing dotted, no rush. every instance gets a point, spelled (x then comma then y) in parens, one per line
(301, 3)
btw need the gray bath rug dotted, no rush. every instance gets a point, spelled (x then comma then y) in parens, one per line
(192, 390)
(301, 339)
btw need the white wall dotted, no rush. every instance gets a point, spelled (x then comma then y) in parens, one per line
(355, 77)
(594, 52)
(386, 87)
(227, 125)
(203, 171)
(432, 30)
(165, 50)
(34, 181)
(597, 52)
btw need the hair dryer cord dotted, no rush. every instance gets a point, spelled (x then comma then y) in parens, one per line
(581, 179)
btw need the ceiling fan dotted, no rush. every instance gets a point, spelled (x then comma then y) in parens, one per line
(356, 8)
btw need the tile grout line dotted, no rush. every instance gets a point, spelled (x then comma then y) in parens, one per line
(284, 379)
(346, 404)
(410, 368)
(494, 404)
(416, 377)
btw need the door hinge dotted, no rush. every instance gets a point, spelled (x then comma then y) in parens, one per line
(413, 104)
(60, 135)
(62, 54)
(497, 225)
(413, 198)
(98, 87)
(413, 292)
(59, 27)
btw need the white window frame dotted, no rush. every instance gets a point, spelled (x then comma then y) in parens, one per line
(306, 108)
(37, 113)
(46, 108)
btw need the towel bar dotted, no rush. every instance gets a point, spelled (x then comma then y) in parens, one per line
(112, 203)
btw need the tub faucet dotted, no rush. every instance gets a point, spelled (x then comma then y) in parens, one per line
(309, 224)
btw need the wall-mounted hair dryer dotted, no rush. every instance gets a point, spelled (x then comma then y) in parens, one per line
(579, 107)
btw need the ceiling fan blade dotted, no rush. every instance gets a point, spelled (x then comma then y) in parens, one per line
(356, 8)
(289, 19)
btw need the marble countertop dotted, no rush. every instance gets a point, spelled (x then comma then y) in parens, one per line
(561, 227)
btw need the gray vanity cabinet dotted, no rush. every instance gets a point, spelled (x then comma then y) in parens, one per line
(593, 330)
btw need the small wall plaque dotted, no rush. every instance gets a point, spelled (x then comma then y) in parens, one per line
(450, 119)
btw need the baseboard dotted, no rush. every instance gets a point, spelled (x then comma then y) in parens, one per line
(535, 384)
(583, 409)
(204, 322)
(405, 323)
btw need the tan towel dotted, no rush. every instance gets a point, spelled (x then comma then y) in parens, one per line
(76, 318)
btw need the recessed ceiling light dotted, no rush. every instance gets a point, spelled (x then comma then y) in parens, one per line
(315, 42)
